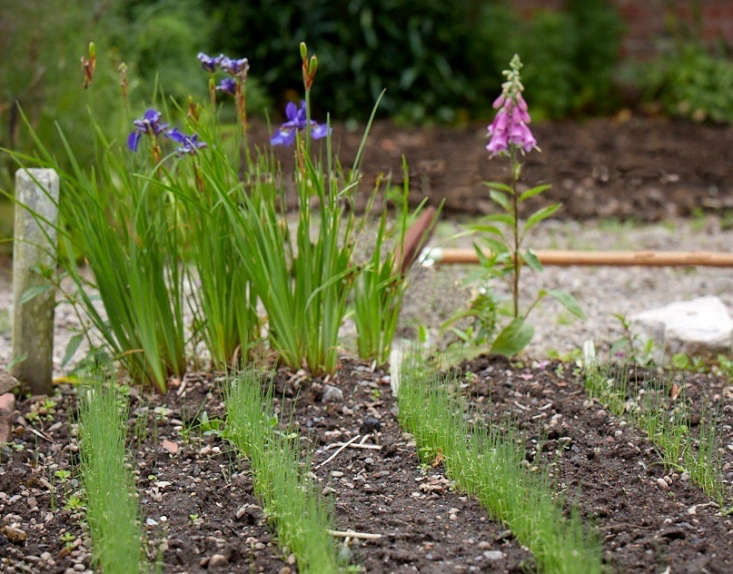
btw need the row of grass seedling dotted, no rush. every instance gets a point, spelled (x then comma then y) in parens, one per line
(666, 421)
(282, 478)
(488, 462)
(112, 505)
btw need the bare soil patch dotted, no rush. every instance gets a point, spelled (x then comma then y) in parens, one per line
(630, 167)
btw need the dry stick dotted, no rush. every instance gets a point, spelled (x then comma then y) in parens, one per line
(334, 455)
(360, 445)
(353, 534)
(611, 258)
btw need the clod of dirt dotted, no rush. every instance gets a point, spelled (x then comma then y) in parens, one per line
(370, 425)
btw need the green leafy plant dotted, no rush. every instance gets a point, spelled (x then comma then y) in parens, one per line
(302, 278)
(692, 82)
(503, 232)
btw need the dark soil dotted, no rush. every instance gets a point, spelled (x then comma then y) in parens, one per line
(636, 167)
(609, 470)
(199, 510)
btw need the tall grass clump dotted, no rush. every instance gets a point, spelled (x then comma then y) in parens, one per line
(170, 221)
(112, 509)
(304, 277)
(487, 462)
(382, 281)
(281, 476)
(117, 216)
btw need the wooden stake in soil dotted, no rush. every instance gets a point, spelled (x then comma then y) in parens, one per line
(415, 239)
(34, 245)
(610, 258)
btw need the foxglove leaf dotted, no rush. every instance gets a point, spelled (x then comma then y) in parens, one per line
(513, 338)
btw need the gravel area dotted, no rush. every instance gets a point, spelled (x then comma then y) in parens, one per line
(438, 292)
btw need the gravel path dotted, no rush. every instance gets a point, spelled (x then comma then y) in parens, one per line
(436, 293)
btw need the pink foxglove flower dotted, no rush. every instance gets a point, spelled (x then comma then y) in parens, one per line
(509, 128)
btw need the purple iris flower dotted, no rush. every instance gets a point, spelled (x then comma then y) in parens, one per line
(189, 144)
(228, 85)
(149, 124)
(296, 121)
(209, 63)
(233, 66)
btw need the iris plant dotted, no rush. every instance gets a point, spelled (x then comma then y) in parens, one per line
(296, 121)
(189, 144)
(151, 125)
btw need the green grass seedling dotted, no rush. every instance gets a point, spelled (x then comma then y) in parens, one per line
(300, 516)
(112, 509)
(666, 423)
(488, 463)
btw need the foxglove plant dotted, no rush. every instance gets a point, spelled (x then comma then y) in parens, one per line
(511, 137)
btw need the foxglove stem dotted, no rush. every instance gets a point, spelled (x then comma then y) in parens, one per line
(516, 170)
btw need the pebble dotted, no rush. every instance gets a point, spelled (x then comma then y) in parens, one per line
(332, 394)
(661, 483)
(14, 534)
(493, 555)
(218, 560)
(685, 476)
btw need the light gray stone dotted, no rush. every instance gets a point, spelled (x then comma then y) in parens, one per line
(34, 248)
(332, 394)
(698, 327)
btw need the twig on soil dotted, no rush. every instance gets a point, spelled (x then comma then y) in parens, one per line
(353, 534)
(522, 407)
(343, 446)
(359, 445)
(36, 432)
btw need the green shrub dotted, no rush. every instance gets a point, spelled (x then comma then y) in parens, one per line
(692, 82)
(437, 60)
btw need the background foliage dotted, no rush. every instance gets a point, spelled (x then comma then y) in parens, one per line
(436, 59)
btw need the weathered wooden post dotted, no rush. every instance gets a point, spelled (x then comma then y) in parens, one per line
(34, 246)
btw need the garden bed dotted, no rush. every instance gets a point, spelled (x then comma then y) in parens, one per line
(630, 167)
(188, 474)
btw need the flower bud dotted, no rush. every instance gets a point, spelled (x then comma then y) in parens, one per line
(88, 64)
(313, 66)
(303, 52)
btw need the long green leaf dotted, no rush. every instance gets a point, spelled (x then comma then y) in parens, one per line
(534, 191)
(538, 216)
(568, 301)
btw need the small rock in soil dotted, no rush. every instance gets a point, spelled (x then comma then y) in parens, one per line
(15, 535)
(370, 425)
(332, 394)
(218, 560)
(493, 555)
(169, 445)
